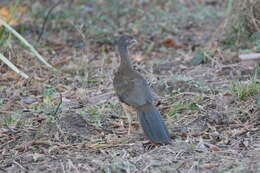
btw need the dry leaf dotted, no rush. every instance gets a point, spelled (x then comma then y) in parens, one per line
(172, 43)
(9, 13)
(37, 78)
(196, 134)
(138, 57)
(62, 61)
(209, 165)
(227, 94)
(38, 157)
(7, 16)
(183, 134)
(10, 75)
(249, 64)
(214, 148)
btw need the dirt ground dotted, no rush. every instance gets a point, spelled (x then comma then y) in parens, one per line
(69, 119)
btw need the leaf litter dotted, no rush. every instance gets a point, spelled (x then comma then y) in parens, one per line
(212, 129)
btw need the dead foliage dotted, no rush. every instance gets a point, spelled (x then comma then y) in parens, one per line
(213, 127)
(242, 21)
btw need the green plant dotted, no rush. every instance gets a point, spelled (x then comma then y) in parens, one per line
(257, 42)
(245, 90)
(48, 92)
(180, 107)
(6, 31)
(5, 37)
(96, 115)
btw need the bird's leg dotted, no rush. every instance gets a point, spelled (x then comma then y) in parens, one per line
(129, 122)
(128, 111)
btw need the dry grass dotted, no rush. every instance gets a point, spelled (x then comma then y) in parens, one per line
(212, 128)
(243, 20)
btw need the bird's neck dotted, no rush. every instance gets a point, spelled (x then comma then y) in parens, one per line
(125, 62)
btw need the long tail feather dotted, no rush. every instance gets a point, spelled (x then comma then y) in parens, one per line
(153, 125)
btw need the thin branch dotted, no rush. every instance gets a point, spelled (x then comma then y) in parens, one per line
(46, 19)
(19, 165)
(58, 107)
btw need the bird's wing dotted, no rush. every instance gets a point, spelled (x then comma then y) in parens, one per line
(136, 92)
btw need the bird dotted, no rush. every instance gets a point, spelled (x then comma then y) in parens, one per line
(135, 95)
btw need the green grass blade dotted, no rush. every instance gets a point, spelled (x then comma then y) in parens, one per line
(13, 67)
(25, 42)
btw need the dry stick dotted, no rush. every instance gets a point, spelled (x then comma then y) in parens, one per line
(73, 166)
(19, 165)
(250, 56)
(58, 107)
(46, 19)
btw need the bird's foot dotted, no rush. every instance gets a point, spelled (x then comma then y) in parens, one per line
(149, 146)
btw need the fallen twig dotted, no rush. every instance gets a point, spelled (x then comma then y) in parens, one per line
(250, 56)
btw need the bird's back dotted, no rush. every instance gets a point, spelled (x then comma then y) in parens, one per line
(132, 88)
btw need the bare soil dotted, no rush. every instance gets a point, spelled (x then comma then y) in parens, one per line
(69, 120)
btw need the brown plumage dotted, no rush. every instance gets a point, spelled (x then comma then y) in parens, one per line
(134, 92)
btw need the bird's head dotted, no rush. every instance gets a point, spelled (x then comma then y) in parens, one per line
(126, 40)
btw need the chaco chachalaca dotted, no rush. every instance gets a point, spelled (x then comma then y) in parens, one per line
(134, 93)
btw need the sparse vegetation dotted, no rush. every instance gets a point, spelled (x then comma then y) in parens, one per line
(207, 96)
(242, 22)
(245, 90)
